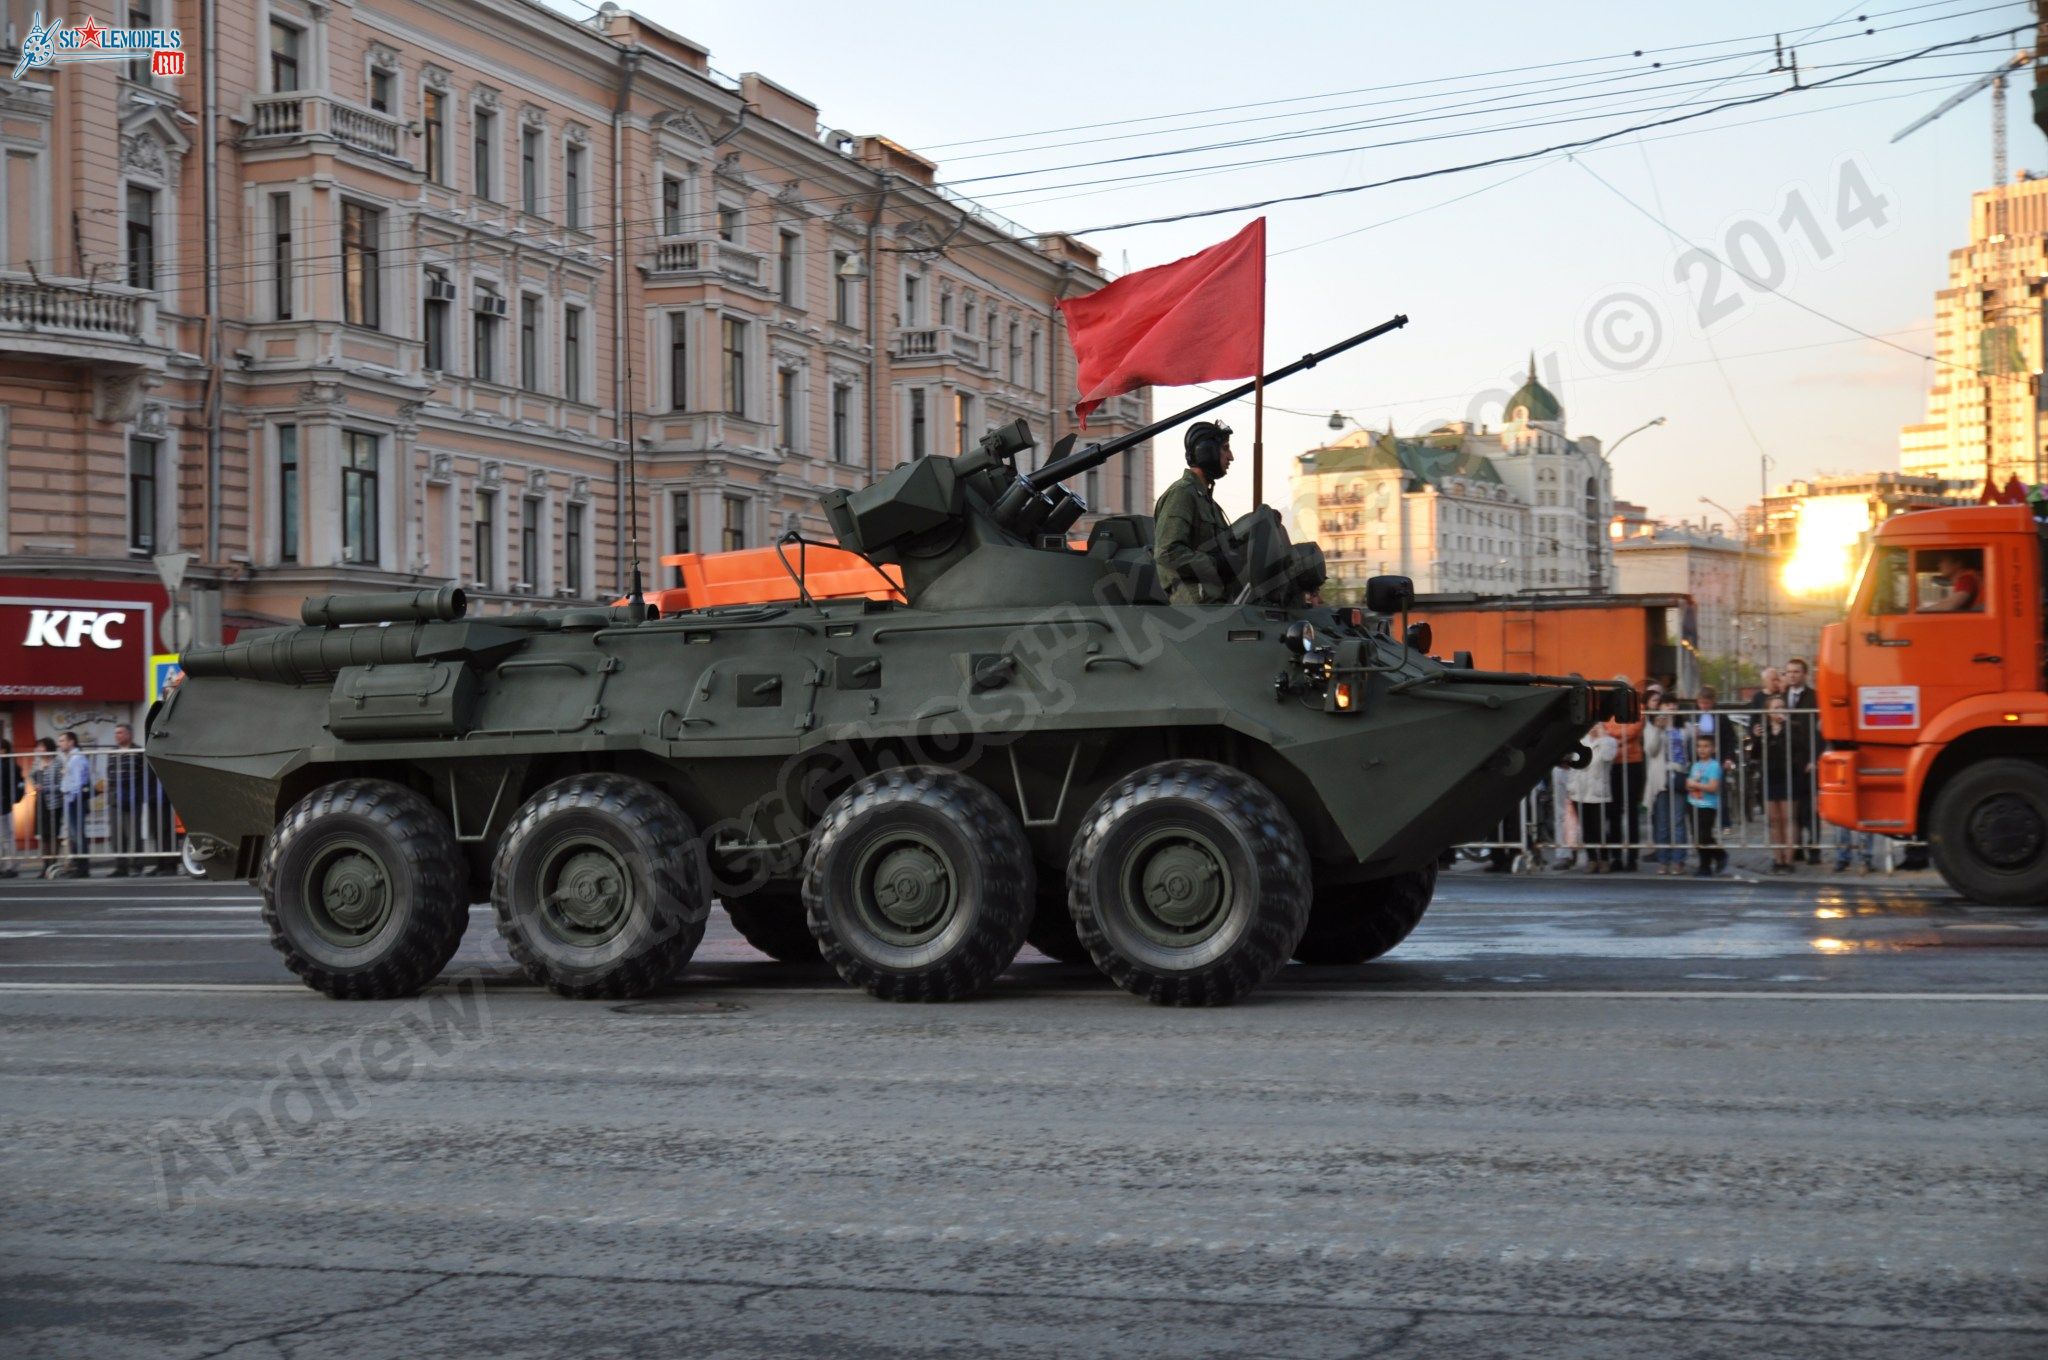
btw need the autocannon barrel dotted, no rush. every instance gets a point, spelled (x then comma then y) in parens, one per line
(390, 606)
(292, 656)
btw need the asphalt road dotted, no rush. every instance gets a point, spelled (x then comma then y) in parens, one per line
(1570, 1117)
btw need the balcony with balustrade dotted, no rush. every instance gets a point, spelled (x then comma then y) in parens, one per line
(302, 116)
(934, 345)
(79, 320)
(701, 259)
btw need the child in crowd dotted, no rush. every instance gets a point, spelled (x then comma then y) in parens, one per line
(1703, 796)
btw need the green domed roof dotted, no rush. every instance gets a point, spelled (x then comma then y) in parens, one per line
(1538, 399)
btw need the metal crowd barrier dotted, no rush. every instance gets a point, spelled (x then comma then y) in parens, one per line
(1767, 813)
(120, 823)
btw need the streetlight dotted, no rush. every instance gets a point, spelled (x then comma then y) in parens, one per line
(1741, 566)
(1338, 420)
(1637, 430)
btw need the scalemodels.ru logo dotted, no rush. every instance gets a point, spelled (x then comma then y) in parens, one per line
(54, 43)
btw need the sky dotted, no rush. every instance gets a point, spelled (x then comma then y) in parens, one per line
(1620, 267)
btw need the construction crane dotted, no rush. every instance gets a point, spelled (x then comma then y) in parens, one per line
(1996, 80)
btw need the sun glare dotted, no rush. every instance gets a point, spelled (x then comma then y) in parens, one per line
(1824, 552)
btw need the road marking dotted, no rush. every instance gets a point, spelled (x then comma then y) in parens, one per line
(1278, 993)
(158, 935)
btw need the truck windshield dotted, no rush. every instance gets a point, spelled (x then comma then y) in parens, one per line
(1884, 586)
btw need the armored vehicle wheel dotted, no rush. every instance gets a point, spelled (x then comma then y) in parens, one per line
(599, 887)
(1190, 882)
(919, 885)
(1052, 930)
(1353, 922)
(1989, 833)
(363, 890)
(774, 923)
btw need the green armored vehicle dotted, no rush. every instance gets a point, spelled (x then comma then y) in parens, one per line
(1031, 746)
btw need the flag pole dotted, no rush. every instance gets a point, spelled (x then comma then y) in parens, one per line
(1259, 392)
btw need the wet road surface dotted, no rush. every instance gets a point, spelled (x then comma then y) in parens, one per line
(1571, 1117)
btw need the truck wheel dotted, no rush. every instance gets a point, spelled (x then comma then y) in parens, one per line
(363, 890)
(1351, 923)
(919, 885)
(1190, 882)
(599, 887)
(774, 923)
(1052, 930)
(1989, 833)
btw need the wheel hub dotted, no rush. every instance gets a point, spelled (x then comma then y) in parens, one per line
(1180, 885)
(906, 889)
(2007, 831)
(350, 893)
(587, 892)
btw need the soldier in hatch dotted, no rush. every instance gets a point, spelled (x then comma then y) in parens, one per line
(1190, 535)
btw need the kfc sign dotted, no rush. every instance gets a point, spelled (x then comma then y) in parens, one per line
(76, 639)
(74, 628)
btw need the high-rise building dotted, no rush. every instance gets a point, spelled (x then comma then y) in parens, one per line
(1983, 409)
(459, 260)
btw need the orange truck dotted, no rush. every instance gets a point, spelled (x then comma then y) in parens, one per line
(1597, 636)
(1932, 698)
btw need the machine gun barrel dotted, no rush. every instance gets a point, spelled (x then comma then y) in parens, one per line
(1095, 455)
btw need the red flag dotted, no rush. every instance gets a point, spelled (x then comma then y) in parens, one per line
(1191, 321)
(1990, 493)
(2015, 492)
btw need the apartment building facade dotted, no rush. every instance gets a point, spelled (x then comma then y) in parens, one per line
(478, 293)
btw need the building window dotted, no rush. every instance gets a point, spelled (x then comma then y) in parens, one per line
(380, 90)
(1036, 384)
(483, 150)
(362, 229)
(678, 362)
(287, 493)
(359, 508)
(141, 237)
(786, 267)
(572, 549)
(728, 223)
(281, 255)
(142, 459)
(671, 206)
(917, 423)
(913, 299)
(529, 542)
(842, 289)
(735, 523)
(483, 338)
(434, 115)
(963, 420)
(572, 353)
(529, 342)
(572, 187)
(285, 43)
(967, 314)
(1016, 350)
(139, 17)
(735, 366)
(486, 544)
(679, 526)
(785, 407)
(946, 305)
(434, 320)
(1130, 484)
(529, 170)
(842, 422)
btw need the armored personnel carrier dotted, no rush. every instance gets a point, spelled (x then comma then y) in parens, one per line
(1030, 744)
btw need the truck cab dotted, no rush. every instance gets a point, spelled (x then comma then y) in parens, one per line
(1931, 698)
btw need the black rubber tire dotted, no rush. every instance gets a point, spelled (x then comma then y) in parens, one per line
(1052, 930)
(1262, 905)
(405, 945)
(939, 821)
(1352, 923)
(2006, 799)
(774, 923)
(626, 828)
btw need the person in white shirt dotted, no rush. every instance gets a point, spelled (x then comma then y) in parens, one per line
(76, 786)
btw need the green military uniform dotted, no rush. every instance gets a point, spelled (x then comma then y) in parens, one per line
(1189, 535)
